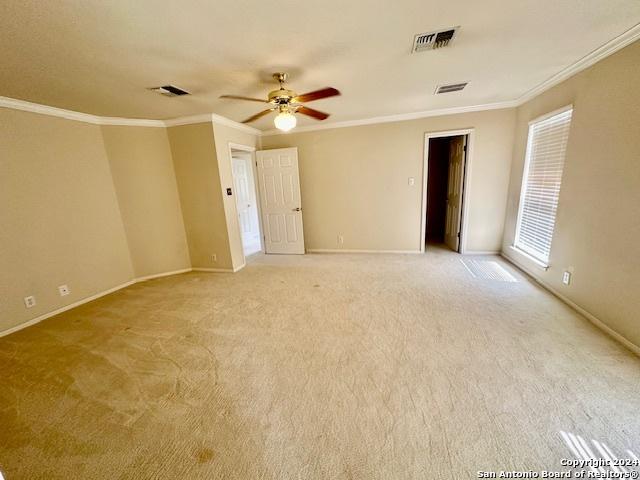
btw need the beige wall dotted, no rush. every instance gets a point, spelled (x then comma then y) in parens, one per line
(225, 135)
(59, 215)
(597, 226)
(196, 166)
(94, 207)
(354, 181)
(145, 184)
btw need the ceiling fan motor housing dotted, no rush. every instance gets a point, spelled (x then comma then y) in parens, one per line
(281, 96)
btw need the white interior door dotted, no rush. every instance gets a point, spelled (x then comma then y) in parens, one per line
(454, 192)
(279, 184)
(246, 202)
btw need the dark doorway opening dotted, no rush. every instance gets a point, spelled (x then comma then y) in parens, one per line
(445, 190)
(437, 181)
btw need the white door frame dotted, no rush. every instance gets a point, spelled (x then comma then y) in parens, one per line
(252, 150)
(466, 171)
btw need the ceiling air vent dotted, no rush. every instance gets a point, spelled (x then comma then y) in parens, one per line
(453, 87)
(170, 91)
(433, 40)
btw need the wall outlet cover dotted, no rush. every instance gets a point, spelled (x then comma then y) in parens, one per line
(63, 290)
(566, 277)
(29, 301)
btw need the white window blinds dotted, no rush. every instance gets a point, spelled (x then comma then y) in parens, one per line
(546, 147)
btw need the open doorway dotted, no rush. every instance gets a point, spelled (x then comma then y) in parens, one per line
(445, 184)
(242, 162)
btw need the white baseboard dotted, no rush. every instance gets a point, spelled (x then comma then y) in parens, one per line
(57, 311)
(53, 313)
(159, 275)
(344, 250)
(481, 252)
(589, 316)
(218, 270)
(214, 270)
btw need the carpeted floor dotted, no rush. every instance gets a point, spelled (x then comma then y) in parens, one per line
(348, 366)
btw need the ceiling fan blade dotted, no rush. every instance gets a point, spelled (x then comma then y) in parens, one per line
(318, 115)
(258, 115)
(316, 95)
(239, 97)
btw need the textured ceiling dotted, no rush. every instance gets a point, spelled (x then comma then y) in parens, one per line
(99, 57)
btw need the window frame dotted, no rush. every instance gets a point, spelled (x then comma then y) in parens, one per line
(523, 186)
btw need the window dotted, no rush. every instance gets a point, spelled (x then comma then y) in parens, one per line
(544, 162)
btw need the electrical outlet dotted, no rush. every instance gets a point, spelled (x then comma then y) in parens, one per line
(214, 258)
(566, 277)
(63, 290)
(412, 181)
(340, 239)
(29, 301)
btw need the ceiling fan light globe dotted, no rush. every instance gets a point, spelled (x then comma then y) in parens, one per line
(285, 121)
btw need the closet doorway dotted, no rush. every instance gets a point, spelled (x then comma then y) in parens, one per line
(242, 162)
(446, 173)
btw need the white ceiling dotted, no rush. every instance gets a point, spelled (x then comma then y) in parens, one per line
(98, 56)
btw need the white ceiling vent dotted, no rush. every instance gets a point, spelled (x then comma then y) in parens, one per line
(433, 40)
(452, 87)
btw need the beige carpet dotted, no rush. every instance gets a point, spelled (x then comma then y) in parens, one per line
(315, 367)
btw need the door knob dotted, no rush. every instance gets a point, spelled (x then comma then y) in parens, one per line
(297, 209)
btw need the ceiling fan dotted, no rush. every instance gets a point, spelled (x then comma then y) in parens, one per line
(287, 103)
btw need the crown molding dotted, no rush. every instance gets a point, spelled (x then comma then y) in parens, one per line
(398, 117)
(213, 118)
(619, 42)
(585, 62)
(600, 53)
(220, 120)
(25, 106)
(31, 107)
(174, 122)
(130, 122)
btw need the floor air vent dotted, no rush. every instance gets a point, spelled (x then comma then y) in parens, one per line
(453, 87)
(488, 270)
(433, 40)
(170, 91)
